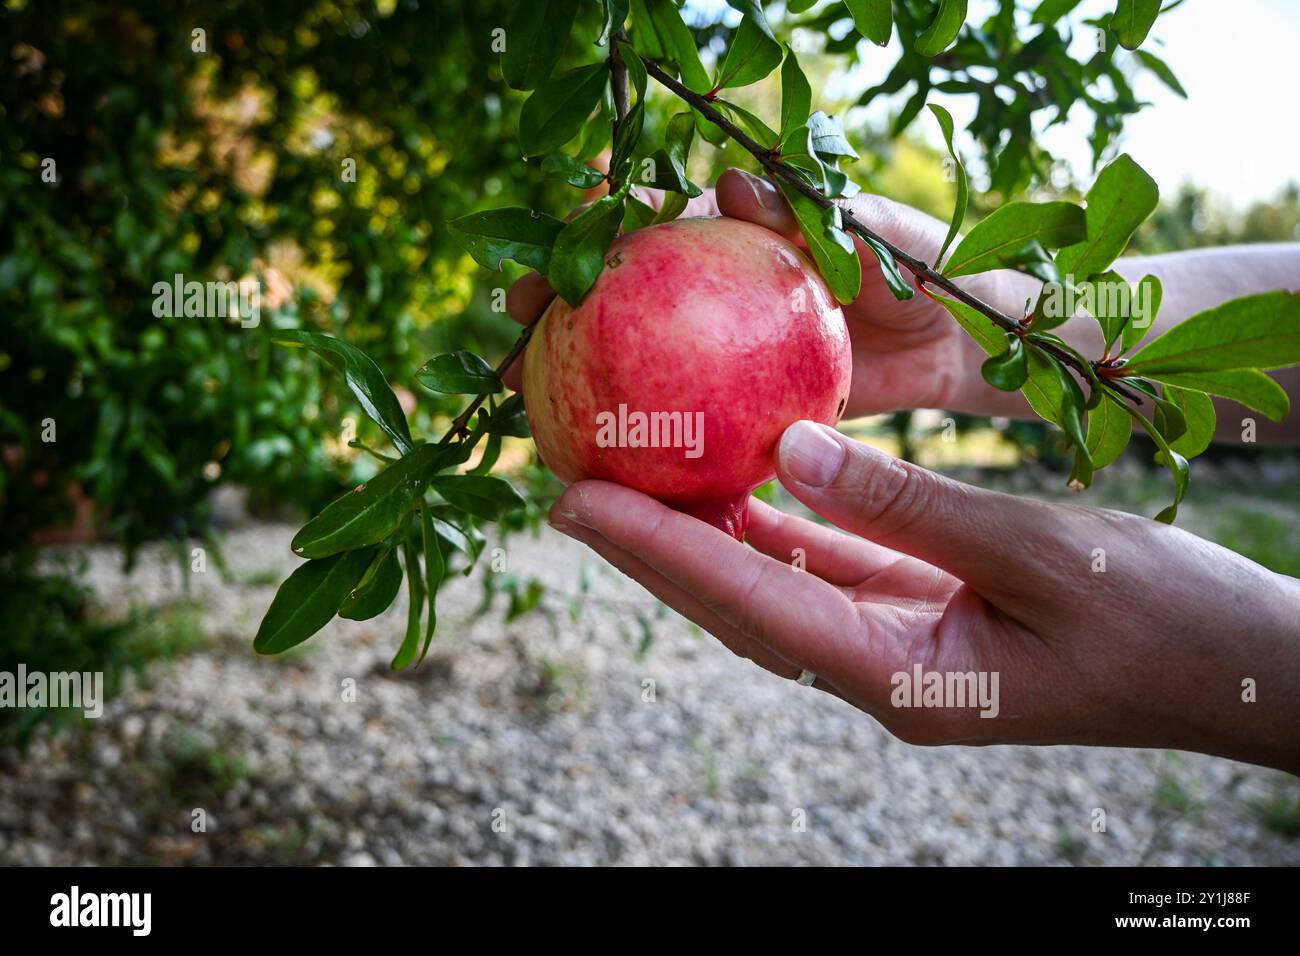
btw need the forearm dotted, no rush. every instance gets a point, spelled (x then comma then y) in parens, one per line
(1193, 281)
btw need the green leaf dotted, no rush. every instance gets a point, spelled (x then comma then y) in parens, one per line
(1006, 231)
(963, 186)
(377, 589)
(827, 137)
(1071, 407)
(661, 34)
(1150, 294)
(1050, 11)
(615, 16)
(1197, 410)
(1109, 431)
(1249, 386)
(874, 19)
(1161, 69)
(536, 33)
(459, 373)
(753, 52)
(637, 214)
(763, 134)
(373, 511)
(509, 418)
(674, 205)
(625, 140)
(1169, 419)
(1118, 202)
(1109, 299)
(668, 164)
(363, 379)
(1008, 370)
(943, 29)
(570, 170)
(510, 233)
(484, 496)
(579, 254)
(1255, 331)
(415, 605)
(635, 68)
(1133, 20)
(831, 248)
(557, 110)
(897, 283)
(796, 94)
(1176, 463)
(435, 569)
(309, 598)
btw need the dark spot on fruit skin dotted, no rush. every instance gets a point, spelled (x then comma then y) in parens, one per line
(840, 410)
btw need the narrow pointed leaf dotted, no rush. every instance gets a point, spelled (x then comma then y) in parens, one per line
(309, 598)
(514, 233)
(557, 110)
(459, 373)
(874, 19)
(364, 380)
(535, 33)
(1249, 386)
(1109, 431)
(963, 186)
(377, 590)
(1255, 331)
(373, 511)
(832, 249)
(579, 254)
(947, 23)
(1133, 20)
(1006, 231)
(483, 496)
(1118, 202)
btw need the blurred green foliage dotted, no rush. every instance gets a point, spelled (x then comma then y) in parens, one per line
(318, 147)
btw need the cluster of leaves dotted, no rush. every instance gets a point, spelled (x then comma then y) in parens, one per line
(1021, 81)
(418, 506)
(1222, 351)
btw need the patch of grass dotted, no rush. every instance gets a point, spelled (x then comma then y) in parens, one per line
(262, 578)
(1070, 845)
(1281, 814)
(194, 770)
(1264, 538)
(1173, 797)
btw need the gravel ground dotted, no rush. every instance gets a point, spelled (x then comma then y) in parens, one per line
(533, 742)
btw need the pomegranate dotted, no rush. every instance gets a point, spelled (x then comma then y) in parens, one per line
(702, 340)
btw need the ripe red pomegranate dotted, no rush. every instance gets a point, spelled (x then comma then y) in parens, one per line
(702, 340)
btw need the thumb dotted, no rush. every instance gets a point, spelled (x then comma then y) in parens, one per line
(964, 530)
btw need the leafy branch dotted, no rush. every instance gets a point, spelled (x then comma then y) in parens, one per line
(771, 161)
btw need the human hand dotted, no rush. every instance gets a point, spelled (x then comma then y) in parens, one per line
(1151, 651)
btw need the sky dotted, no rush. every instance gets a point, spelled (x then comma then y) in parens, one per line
(1236, 134)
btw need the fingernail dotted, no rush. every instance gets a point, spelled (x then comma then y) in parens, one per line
(764, 192)
(809, 455)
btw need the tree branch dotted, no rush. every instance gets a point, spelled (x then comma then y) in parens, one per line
(919, 269)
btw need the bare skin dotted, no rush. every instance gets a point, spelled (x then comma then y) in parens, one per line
(1156, 650)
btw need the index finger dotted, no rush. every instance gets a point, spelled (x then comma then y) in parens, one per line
(528, 298)
(799, 616)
